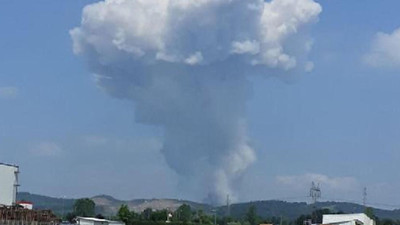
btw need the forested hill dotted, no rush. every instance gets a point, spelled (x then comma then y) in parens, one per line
(292, 210)
(108, 205)
(57, 205)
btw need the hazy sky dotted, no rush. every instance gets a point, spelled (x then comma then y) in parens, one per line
(337, 125)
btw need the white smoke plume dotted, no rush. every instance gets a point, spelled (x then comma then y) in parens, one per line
(185, 64)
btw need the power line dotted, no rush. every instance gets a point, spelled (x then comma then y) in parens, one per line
(334, 199)
(291, 198)
(361, 203)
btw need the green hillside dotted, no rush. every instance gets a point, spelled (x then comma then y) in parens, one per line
(57, 205)
(108, 205)
(292, 210)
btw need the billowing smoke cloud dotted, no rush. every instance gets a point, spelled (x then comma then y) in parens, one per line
(185, 65)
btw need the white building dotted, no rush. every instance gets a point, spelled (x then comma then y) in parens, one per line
(26, 204)
(8, 184)
(95, 221)
(347, 219)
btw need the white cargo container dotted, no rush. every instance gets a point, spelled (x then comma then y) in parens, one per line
(8, 184)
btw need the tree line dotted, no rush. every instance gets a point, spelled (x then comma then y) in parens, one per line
(185, 215)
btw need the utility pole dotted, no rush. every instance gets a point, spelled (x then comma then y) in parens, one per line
(215, 215)
(365, 197)
(63, 212)
(228, 206)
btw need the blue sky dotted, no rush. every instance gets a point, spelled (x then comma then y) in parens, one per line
(338, 124)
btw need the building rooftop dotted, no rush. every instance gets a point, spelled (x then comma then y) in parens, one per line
(6, 164)
(99, 220)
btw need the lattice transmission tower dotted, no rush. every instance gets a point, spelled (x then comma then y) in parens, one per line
(315, 192)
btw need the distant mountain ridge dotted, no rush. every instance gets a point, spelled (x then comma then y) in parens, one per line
(292, 210)
(57, 205)
(108, 205)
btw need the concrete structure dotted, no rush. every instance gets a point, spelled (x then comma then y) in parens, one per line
(8, 184)
(95, 221)
(347, 219)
